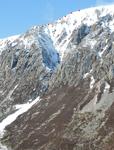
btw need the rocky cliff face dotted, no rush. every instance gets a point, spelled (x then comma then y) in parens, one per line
(26, 64)
(70, 65)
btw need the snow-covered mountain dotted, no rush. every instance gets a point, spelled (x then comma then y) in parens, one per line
(57, 84)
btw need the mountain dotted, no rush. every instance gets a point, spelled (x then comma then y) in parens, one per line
(57, 84)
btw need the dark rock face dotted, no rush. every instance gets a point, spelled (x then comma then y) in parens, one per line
(73, 72)
(79, 34)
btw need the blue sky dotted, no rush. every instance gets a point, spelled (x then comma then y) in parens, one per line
(16, 16)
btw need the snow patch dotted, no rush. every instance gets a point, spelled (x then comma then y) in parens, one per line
(14, 44)
(92, 82)
(22, 108)
(3, 147)
(107, 87)
(87, 74)
(111, 26)
(101, 53)
(89, 42)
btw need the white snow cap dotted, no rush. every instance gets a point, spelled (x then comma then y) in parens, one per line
(64, 27)
(74, 20)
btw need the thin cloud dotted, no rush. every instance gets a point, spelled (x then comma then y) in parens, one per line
(103, 2)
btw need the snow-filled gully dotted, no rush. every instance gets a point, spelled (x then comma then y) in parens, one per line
(22, 108)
